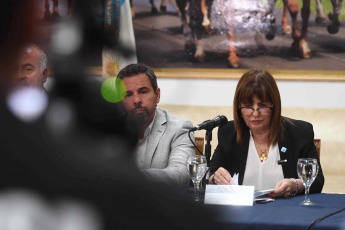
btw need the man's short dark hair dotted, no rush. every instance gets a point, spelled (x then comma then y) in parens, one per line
(134, 69)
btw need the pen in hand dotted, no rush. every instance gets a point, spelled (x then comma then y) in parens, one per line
(281, 161)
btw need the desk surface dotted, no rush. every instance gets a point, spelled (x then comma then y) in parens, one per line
(283, 214)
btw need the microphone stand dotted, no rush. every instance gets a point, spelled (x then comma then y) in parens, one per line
(208, 138)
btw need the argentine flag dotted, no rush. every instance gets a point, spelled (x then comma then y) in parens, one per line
(118, 15)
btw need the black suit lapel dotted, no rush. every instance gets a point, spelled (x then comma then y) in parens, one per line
(286, 156)
(243, 158)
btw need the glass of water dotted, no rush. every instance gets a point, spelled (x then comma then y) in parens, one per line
(307, 169)
(197, 167)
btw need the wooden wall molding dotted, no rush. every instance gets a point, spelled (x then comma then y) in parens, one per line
(283, 75)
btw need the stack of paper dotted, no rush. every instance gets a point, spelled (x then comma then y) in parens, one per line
(260, 196)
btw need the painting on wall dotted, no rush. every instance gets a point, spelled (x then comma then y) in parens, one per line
(65, 21)
(231, 35)
(105, 35)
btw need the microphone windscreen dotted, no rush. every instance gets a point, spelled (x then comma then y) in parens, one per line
(223, 120)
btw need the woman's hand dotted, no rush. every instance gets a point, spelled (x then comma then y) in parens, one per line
(221, 176)
(284, 188)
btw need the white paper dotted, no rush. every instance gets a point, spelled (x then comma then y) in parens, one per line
(260, 196)
(229, 195)
(261, 193)
(234, 179)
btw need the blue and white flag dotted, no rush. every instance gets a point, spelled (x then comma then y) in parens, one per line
(118, 15)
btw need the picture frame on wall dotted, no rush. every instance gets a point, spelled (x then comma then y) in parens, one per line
(162, 41)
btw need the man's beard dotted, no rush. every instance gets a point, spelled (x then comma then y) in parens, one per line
(139, 119)
(135, 123)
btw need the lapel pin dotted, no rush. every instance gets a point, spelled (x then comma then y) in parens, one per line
(283, 149)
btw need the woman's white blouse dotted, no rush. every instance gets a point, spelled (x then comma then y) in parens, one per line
(263, 175)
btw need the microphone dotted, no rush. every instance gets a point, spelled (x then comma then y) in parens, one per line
(210, 124)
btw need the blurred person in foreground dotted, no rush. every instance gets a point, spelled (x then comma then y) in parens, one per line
(258, 137)
(163, 146)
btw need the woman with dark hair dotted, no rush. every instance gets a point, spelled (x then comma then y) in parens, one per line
(260, 144)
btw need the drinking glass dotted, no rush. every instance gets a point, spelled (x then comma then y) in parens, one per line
(197, 167)
(307, 169)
